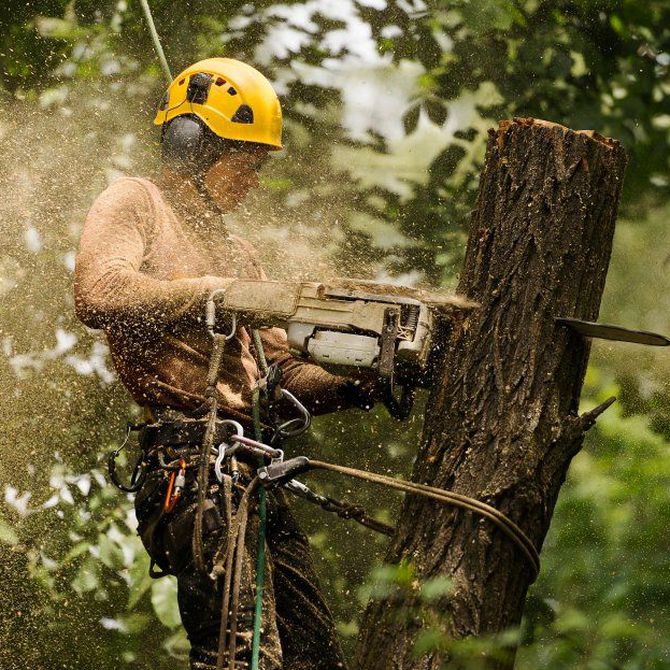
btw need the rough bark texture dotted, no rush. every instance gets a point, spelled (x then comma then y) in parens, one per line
(501, 423)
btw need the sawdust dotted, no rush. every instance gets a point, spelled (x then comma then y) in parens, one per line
(443, 301)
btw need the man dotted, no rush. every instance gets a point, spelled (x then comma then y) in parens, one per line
(151, 253)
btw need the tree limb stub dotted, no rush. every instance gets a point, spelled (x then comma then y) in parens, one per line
(501, 424)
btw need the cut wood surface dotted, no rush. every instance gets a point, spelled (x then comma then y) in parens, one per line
(501, 423)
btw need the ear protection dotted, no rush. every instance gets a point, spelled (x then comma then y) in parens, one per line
(189, 147)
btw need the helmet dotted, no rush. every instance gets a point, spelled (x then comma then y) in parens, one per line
(217, 98)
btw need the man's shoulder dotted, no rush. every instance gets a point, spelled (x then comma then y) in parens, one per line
(131, 187)
(134, 196)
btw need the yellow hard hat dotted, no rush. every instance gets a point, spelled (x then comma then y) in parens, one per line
(234, 100)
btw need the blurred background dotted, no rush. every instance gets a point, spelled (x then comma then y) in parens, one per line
(387, 104)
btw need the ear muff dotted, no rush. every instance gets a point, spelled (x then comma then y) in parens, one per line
(189, 147)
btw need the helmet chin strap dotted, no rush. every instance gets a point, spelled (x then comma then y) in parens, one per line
(203, 192)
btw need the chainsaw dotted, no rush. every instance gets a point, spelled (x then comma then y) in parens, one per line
(350, 324)
(389, 329)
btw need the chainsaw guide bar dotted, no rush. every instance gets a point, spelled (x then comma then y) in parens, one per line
(605, 331)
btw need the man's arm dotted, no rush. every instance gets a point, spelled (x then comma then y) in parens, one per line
(320, 391)
(110, 290)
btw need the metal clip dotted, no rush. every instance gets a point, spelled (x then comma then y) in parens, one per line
(176, 485)
(225, 450)
(298, 425)
(219, 461)
(139, 471)
(210, 316)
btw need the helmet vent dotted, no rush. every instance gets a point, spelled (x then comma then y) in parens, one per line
(244, 114)
(232, 91)
(198, 88)
(220, 81)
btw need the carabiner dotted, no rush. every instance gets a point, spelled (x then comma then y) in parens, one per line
(210, 316)
(224, 451)
(218, 463)
(302, 422)
(139, 471)
(176, 485)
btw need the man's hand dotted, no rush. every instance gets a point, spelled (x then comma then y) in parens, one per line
(363, 392)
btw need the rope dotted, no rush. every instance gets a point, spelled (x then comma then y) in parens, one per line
(342, 508)
(205, 450)
(505, 524)
(156, 40)
(233, 577)
(237, 525)
(262, 511)
(228, 563)
(260, 352)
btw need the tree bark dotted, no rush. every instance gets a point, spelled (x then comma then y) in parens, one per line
(501, 421)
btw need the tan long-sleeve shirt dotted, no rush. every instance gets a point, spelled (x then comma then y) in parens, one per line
(143, 276)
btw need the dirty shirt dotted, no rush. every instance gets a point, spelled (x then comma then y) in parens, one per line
(143, 276)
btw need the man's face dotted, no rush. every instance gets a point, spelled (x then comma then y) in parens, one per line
(230, 179)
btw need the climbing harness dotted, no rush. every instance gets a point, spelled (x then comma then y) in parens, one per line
(224, 440)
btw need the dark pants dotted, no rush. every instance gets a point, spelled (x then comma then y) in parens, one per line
(298, 630)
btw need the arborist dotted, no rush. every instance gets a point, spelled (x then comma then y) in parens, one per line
(153, 252)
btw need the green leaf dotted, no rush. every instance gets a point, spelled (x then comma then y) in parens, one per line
(86, 579)
(427, 641)
(110, 554)
(140, 579)
(54, 28)
(436, 588)
(164, 601)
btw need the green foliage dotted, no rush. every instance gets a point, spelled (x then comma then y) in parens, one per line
(387, 107)
(602, 597)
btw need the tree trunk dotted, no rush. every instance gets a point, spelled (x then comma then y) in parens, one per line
(501, 423)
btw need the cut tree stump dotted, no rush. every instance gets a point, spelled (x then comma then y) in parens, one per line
(501, 421)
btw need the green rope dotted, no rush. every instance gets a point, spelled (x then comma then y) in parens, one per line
(262, 512)
(260, 352)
